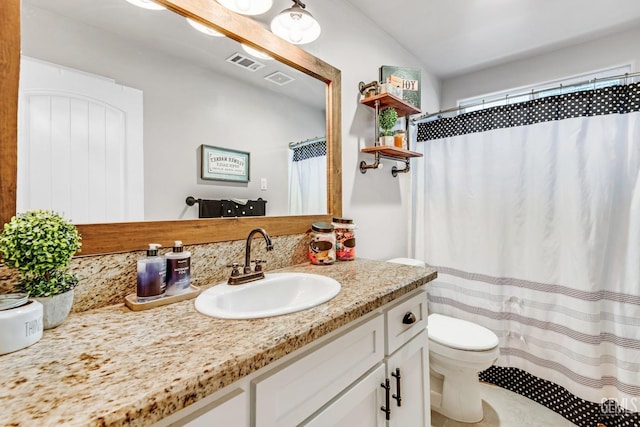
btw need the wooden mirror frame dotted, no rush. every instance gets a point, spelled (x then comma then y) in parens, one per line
(130, 236)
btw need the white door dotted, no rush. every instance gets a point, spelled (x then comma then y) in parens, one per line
(79, 145)
(411, 361)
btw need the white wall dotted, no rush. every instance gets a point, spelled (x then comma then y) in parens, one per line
(605, 52)
(377, 202)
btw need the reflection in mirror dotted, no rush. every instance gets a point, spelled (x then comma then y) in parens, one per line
(132, 95)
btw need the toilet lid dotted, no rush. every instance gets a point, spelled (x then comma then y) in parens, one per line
(460, 334)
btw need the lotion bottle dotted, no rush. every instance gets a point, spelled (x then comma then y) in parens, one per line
(178, 270)
(151, 275)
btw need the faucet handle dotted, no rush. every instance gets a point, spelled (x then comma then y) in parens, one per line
(259, 263)
(235, 266)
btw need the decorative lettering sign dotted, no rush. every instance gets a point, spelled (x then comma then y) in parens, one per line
(223, 164)
(406, 78)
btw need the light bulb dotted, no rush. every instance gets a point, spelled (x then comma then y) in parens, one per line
(243, 5)
(295, 25)
(255, 52)
(147, 4)
(295, 36)
(204, 29)
(247, 7)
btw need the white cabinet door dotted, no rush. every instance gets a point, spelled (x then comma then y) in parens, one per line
(410, 401)
(358, 406)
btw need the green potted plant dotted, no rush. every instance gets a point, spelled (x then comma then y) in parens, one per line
(387, 119)
(39, 244)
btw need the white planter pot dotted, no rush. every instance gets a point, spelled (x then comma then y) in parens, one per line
(386, 141)
(55, 308)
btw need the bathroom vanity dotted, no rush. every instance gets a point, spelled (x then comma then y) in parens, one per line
(172, 365)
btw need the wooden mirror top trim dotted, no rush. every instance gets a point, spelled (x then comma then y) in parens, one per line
(124, 237)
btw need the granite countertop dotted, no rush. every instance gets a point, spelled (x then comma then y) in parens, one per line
(113, 366)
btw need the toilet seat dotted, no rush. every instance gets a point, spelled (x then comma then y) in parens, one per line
(460, 334)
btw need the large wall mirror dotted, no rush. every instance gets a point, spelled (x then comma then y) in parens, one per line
(189, 94)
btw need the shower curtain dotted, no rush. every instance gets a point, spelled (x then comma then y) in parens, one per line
(308, 178)
(531, 215)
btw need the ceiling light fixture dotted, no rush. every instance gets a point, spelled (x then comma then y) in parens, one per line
(204, 29)
(147, 4)
(247, 7)
(256, 53)
(296, 25)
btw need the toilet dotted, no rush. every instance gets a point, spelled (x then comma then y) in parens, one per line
(458, 351)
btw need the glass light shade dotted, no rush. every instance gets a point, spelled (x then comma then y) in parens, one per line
(295, 25)
(204, 29)
(247, 7)
(256, 53)
(147, 4)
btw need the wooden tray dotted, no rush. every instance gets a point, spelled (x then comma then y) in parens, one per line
(131, 300)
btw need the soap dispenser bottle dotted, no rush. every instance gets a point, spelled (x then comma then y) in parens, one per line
(151, 275)
(178, 269)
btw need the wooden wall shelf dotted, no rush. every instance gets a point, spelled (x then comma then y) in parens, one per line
(378, 102)
(393, 152)
(387, 100)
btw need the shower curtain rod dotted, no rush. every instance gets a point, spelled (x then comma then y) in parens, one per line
(294, 145)
(424, 117)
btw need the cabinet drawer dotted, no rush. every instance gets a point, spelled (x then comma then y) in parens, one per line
(290, 395)
(398, 318)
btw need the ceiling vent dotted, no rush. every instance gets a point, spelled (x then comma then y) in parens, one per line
(245, 62)
(279, 78)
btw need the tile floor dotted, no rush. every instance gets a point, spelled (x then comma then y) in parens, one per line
(503, 408)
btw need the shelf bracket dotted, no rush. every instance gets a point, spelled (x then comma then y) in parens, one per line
(376, 164)
(395, 171)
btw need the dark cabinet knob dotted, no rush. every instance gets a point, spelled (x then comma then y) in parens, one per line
(409, 319)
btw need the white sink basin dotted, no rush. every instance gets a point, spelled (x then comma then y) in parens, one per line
(276, 294)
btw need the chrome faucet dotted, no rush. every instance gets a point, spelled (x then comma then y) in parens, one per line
(248, 275)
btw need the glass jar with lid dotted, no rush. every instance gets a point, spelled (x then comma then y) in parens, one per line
(322, 245)
(344, 229)
(400, 139)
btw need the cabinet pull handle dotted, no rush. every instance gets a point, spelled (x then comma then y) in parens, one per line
(409, 319)
(398, 395)
(387, 408)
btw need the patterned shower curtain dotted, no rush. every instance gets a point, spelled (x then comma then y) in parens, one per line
(531, 215)
(308, 178)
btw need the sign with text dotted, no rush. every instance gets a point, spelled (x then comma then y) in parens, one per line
(223, 164)
(406, 78)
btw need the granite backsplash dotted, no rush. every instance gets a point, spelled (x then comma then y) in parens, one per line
(106, 279)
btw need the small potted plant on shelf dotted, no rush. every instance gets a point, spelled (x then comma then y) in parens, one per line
(387, 119)
(39, 244)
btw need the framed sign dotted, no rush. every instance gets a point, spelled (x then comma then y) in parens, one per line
(224, 164)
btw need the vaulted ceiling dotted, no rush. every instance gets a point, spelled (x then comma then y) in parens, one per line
(454, 37)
